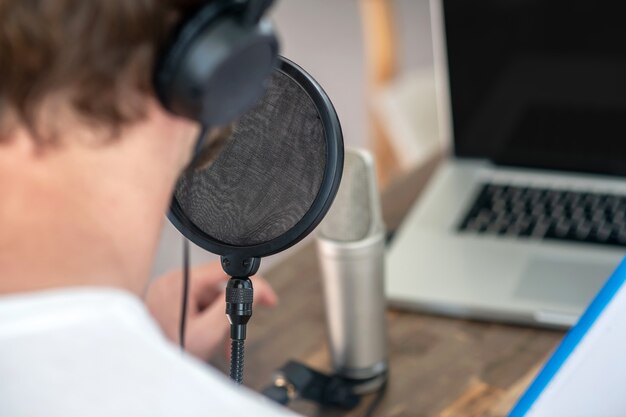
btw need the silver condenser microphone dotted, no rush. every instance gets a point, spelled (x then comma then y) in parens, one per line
(350, 244)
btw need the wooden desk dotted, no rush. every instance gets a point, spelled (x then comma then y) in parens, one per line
(439, 366)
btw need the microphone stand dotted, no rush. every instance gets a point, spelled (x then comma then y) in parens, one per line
(294, 380)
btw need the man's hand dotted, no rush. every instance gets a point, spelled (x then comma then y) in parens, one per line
(207, 325)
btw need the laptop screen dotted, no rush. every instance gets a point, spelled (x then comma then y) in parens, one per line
(539, 83)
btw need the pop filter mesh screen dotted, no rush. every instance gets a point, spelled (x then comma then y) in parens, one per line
(268, 175)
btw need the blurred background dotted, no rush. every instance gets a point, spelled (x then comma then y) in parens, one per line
(374, 59)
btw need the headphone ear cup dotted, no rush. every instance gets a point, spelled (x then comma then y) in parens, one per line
(216, 69)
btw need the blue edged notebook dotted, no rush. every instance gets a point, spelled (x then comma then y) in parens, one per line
(586, 375)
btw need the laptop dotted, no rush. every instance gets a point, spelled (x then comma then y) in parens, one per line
(527, 217)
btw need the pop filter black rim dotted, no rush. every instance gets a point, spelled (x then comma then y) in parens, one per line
(321, 204)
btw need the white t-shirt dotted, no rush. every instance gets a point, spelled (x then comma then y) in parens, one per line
(97, 352)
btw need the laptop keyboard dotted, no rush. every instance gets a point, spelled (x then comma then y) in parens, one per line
(544, 213)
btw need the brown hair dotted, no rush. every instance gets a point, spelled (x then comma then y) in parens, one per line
(96, 54)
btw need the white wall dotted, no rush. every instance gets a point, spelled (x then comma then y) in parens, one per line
(325, 38)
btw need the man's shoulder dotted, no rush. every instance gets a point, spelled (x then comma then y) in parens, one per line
(103, 355)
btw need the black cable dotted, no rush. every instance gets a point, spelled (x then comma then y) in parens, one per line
(369, 412)
(185, 290)
(185, 295)
(236, 361)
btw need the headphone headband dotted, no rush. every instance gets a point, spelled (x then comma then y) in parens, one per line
(255, 10)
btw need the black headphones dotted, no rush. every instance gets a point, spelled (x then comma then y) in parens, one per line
(215, 66)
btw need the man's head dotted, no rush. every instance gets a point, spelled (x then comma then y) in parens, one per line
(88, 156)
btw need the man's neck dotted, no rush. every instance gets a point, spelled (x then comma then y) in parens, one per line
(81, 215)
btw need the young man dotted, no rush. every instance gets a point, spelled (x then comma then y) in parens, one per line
(88, 162)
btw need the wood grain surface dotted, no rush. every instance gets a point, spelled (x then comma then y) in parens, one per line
(439, 367)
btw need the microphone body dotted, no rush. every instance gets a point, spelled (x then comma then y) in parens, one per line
(351, 244)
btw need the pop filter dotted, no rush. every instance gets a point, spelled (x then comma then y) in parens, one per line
(270, 186)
